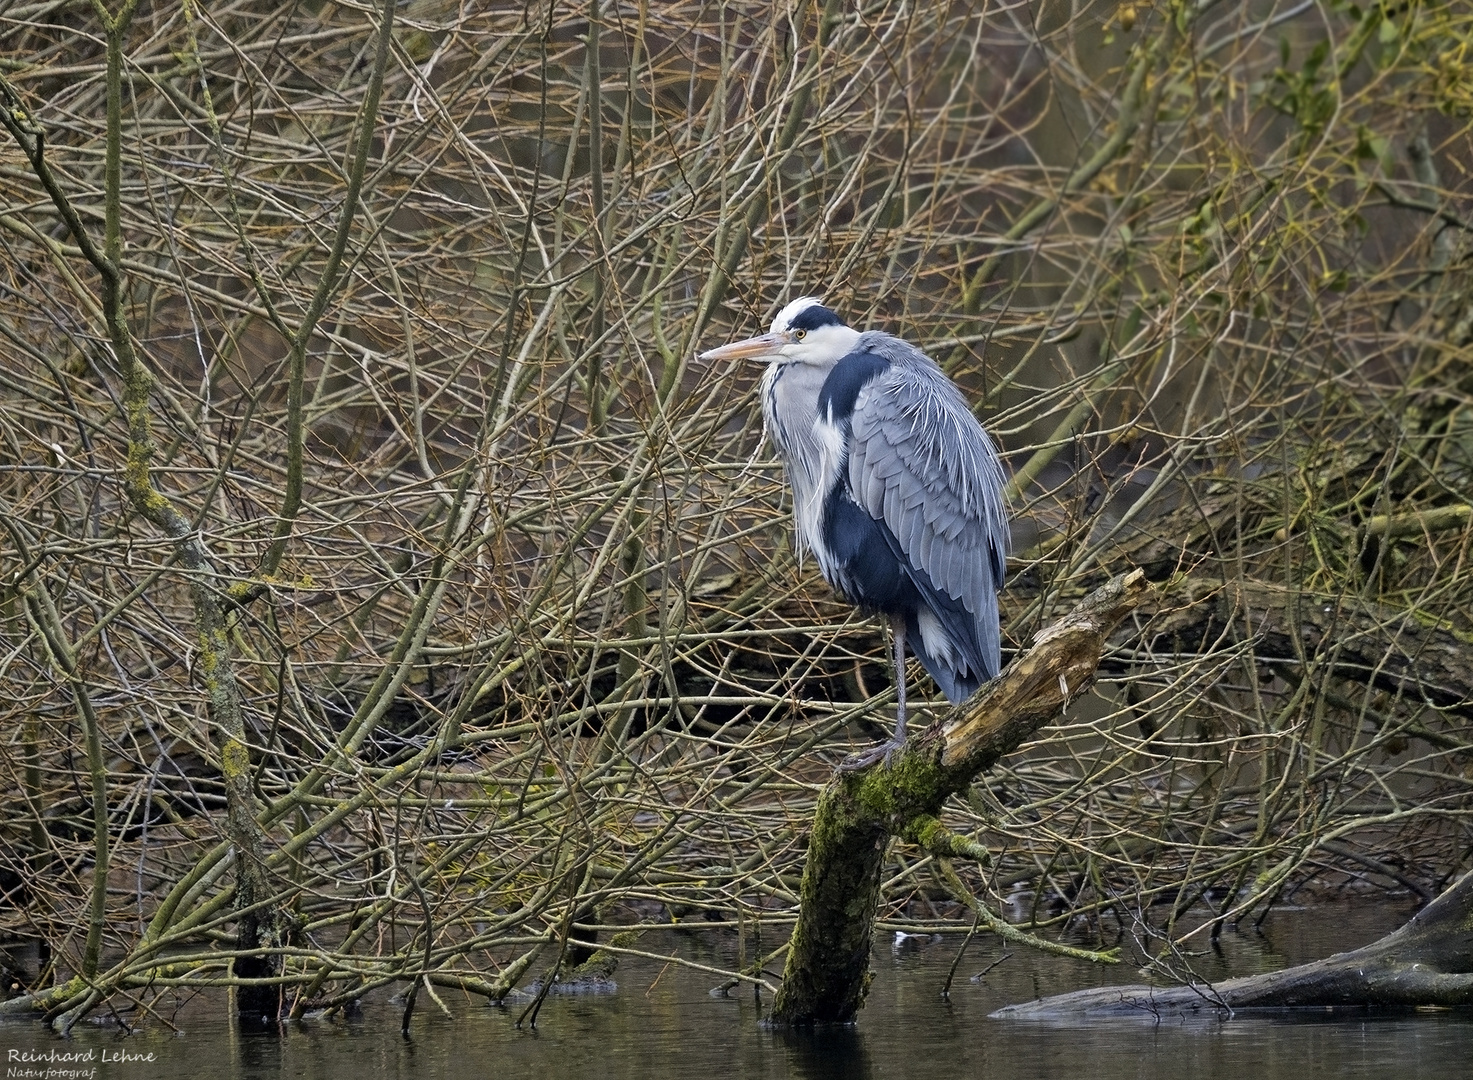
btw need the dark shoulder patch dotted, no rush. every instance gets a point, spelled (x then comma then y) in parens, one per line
(814, 316)
(841, 389)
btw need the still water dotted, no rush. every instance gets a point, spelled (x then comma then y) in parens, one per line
(663, 1022)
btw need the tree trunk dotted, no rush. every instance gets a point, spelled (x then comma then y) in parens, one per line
(1428, 962)
(827, 972)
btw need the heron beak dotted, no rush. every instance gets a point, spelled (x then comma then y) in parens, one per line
(762, 345)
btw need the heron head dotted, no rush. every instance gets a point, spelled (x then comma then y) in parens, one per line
(804, 332)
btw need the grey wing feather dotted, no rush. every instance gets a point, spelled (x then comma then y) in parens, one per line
(920, 461)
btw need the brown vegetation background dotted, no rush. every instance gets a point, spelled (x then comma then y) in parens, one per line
(477, 626)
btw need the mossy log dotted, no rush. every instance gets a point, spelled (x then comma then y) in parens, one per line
(1428, 963)
(827, 972)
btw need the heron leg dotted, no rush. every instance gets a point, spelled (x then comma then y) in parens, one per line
(897, 632)
(886, 750)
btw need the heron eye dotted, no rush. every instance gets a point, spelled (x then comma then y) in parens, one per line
(800, 334)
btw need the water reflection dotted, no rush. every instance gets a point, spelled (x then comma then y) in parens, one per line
(827, 1054)
(664, 1024)
(261, 1047)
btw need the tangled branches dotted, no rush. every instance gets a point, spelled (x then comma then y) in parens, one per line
(412, 546)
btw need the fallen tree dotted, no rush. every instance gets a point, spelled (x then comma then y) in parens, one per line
(827, 973)
(1426, 963)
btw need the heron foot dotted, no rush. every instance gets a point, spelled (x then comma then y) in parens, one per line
(865, 758)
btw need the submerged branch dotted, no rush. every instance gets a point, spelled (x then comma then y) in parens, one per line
(1427, 963)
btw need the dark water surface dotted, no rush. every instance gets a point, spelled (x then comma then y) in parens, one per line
(664, 1023)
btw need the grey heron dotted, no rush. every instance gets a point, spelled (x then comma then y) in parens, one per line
(897, 490)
